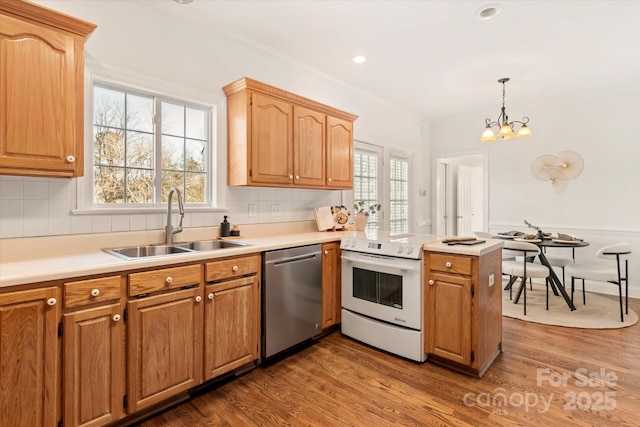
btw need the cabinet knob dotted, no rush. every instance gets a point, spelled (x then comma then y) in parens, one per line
(95, 292)
(326, 252)
(198, 298)
(290, 177)
(431, 282)
(329, 179)
(297, 176)
(52, 301)
(116, 317)
(235, 268)
(169, 279)
(71, 159)
(448, 264)
(210, 296)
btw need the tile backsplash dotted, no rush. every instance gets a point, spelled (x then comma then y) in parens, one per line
(43, 207)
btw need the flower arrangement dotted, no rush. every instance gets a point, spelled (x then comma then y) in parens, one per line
(365, 208)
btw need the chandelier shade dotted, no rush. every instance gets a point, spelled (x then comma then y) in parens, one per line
(504, 126)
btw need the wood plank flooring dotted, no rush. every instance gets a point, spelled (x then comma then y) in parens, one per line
(546, 375)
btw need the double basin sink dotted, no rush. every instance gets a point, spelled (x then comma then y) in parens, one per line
(145, 251)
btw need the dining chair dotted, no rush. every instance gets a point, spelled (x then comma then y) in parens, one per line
(602, 273)
(557, 260)
(524, 268)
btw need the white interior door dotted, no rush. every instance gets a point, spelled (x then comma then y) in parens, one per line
(441, 198)
(477, 199)
(464, 210)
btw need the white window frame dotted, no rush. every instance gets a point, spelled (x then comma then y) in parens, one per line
(384, 181)
(122, 80)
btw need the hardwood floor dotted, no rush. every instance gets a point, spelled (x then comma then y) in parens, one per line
(539, 379)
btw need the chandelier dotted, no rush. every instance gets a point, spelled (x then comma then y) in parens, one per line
(503, 124)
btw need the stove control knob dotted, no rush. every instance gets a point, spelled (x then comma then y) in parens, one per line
(353, 244)
(345, 244)
(409, 250)
(399, 249)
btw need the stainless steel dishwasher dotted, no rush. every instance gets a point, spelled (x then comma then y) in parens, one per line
(291, 297)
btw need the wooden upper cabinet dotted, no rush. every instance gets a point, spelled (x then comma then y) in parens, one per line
(279, 139)
(41, 91)
(339, 153)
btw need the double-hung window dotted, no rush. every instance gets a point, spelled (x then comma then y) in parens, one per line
(145, 144)
(382, 176)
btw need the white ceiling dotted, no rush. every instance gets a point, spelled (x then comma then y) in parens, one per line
(435, 56)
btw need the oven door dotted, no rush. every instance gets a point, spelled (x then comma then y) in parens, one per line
(384, 288)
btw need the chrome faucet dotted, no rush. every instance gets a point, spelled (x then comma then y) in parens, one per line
(170, 230)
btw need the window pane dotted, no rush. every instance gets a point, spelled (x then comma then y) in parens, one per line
(172, 119)
(108, 146)
(399, 195)
(109, 184)
(139, 186)
(171, 179)
(365, 182)
(139, 113)
(195, 189)
(196, 124)
(172, 153)
(139, 150)
(108, 107)
(195, 155)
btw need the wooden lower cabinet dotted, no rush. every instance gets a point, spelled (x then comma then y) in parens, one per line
(164, 352)
(29, 357)
(231, 325)
(463, 310)
(331, 284)
(94, 366)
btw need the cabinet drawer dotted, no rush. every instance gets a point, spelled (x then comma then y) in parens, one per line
(230, 268)
(164, 278)
(91, 291)
(450, 263)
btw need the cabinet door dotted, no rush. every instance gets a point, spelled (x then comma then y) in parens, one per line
(41, 100)
(271, 140)
(232, 332)
(331, 298)
(449, 317)
(94, 366)
(308, 147)
(29, 357)
(339, 153)
(164, 346)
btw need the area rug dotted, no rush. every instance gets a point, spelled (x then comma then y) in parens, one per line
(600, 312)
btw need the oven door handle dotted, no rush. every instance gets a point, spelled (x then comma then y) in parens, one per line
(377, 264)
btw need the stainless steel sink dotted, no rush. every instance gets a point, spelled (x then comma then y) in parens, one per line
(210, 245)
(145, 251)
(133, 252)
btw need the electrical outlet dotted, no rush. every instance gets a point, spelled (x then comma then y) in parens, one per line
(274, 209)
(253, 210)
(491, 280)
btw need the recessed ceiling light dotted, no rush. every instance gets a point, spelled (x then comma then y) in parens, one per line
(489, 11)
(359, 59)
(183, 1)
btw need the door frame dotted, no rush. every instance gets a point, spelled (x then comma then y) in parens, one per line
(478, 157)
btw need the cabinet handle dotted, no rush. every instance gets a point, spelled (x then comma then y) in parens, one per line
(95, 292)
(71, 159)
(326, 252)
(169, 279)
(210, 296)
(52, 301)
(431, 282)
(448, 264)
(235, 268)
(198, 298)
(116, 317)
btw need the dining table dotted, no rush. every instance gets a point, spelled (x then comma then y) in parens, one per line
(554, 282)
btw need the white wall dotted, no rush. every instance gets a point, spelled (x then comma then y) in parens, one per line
(136, 39)
(602, 205)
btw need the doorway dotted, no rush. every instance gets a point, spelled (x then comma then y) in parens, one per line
(461, 195)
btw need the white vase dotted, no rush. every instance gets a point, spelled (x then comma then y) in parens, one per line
(361, 221)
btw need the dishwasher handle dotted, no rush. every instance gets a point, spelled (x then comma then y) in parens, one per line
(299, 258)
